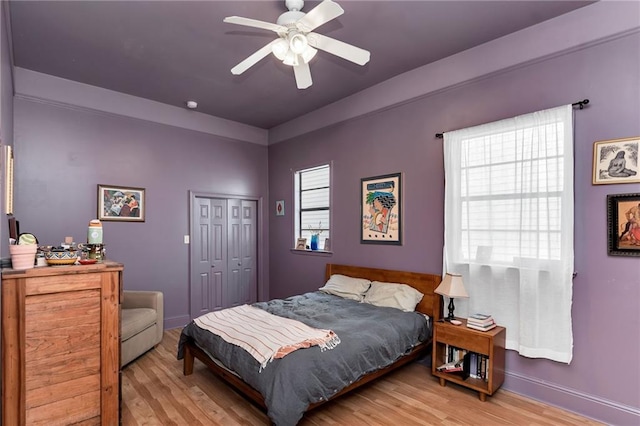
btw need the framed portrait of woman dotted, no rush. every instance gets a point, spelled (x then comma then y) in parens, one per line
(616, 161)
(381, 209)
(623, 224)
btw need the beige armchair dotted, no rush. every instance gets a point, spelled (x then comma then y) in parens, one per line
(142, 323)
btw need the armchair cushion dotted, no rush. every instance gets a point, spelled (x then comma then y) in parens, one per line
(136, 320)
(142, 323)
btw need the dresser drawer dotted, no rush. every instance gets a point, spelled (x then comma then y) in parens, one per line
(464, 338)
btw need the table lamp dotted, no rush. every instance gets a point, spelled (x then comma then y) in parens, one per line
(451, 287)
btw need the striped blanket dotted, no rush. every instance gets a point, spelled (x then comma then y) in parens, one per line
(263, 335)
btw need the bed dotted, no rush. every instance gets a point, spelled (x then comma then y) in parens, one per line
(308, 378)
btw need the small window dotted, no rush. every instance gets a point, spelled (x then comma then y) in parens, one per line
(312, 193)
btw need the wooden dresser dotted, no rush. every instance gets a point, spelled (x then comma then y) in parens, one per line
(61, 345)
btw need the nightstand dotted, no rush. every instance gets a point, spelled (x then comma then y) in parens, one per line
(488, 347)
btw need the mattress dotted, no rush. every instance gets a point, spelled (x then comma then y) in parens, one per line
(371, 337)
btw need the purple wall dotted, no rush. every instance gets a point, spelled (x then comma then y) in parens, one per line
(606, 318)
(63, 153)
(6, 115)
(6, 126)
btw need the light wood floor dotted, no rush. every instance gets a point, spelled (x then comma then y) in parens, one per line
(154, 392)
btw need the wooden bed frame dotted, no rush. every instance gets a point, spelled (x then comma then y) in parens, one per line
(431, 304)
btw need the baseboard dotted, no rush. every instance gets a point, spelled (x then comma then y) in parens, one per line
(586, 405)
(176, 322)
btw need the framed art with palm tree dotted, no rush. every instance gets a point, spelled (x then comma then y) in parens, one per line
(381, 209)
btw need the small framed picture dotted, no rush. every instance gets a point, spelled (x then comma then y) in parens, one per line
(121, 203)
(301, 244)
(616, 161)
(623, 224)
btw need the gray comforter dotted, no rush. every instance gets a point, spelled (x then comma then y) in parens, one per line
(371, 338)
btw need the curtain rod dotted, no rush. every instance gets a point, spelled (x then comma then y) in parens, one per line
(580, 104)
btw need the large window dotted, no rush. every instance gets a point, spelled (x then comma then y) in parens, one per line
(509, 226)
(511, 200)
(312, 187)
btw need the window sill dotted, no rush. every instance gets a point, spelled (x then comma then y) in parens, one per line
(312, 252)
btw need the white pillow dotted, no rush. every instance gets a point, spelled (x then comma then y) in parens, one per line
(393, 295)
(347, 287)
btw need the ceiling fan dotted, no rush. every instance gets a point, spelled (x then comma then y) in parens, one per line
(297, 44)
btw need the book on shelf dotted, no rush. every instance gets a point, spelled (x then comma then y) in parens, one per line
(480, 324)
(479, 367)
(480, 317)
(473, 357)
(467, 364)
(480, 320)
(452, 366)
(476, 322)
(480, 327)
(453, 354)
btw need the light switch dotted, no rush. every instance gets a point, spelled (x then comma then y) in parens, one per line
(186, 239)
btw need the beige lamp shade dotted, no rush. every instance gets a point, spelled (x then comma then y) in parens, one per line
(452, 286)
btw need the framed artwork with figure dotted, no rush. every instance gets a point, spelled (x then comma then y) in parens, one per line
(301, 244)
(381, 209)
(616, 161)
(623, 220)
(121, 203)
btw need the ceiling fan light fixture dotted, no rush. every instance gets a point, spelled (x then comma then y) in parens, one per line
(289, 18)
(298, 42)
(280, 49)
(294, 4)
(291, 59)
(308, 54)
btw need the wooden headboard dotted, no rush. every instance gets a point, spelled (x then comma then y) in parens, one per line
(431, 303)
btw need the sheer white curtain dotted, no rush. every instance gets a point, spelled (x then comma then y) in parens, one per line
(509, 226)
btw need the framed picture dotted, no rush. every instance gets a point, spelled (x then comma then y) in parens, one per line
(623, 219)
(121, 203)
(8, 179)
(301, 244)
(616, 161)
(13, 228)
(381, 209)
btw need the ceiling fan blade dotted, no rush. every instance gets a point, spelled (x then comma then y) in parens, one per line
(303, 75)
(319, 15)
(253, 59)
(248, 22)
(339, 48)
